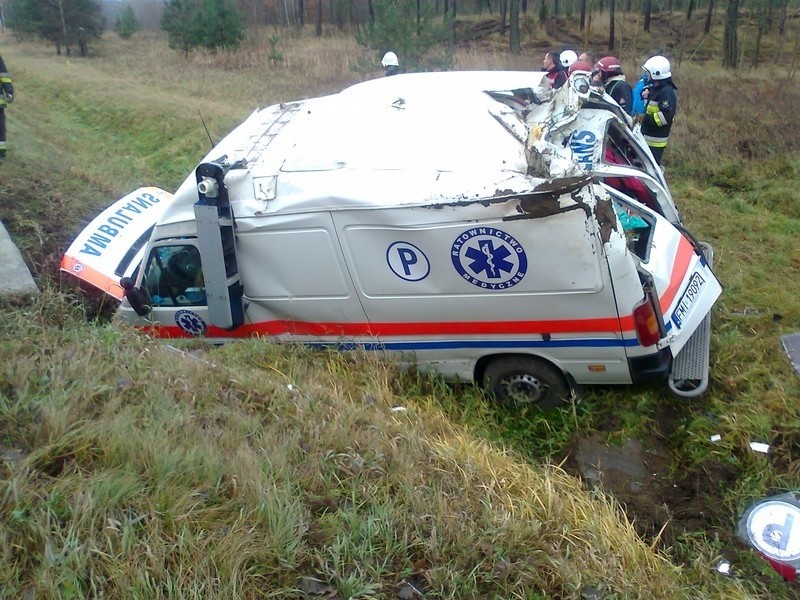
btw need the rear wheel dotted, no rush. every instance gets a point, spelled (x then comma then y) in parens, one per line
(518, 381)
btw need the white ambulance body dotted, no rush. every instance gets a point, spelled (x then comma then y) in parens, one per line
(474, 223)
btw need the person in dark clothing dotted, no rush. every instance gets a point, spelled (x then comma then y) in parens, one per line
(609, 71)
(6, 97)
(556, 74)
(660, 105)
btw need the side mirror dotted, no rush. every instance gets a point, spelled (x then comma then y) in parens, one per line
(136, 297)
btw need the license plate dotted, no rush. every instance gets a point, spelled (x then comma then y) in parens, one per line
(691, 294)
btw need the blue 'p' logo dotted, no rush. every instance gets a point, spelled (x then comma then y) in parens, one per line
(407, 261)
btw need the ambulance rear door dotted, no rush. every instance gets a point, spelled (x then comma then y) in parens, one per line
(672, 266)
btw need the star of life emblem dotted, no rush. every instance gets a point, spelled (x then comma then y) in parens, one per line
(190, 322)
(489, 258)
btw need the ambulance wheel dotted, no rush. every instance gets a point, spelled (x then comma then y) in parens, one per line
(518, 381)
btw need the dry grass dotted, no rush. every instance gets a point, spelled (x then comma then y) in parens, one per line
(161, 475)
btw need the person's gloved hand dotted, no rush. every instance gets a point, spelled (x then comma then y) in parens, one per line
(637, 120)
(9, 98)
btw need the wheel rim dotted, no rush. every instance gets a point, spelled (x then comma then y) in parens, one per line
(523, 388)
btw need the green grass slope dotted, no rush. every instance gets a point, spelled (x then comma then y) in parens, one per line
(130, 470)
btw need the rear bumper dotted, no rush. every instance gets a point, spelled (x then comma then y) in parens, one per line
(651, 368)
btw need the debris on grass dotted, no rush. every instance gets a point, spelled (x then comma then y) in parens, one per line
(772, 527)
(724, 568)
(791, 344)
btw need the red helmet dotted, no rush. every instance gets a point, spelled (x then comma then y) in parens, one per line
(580, 65)
(608, 66)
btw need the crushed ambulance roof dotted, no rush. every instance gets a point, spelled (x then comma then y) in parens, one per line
(408, 139)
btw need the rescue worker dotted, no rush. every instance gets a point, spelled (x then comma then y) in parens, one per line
(6, 97)
(580, 65)
(587, 57)
(391, 66)
(638, 102)
(556, 75)
(567, 58)
(609, 71)
(660, 105)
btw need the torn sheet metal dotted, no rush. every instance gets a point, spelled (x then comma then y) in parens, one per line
(791, 344)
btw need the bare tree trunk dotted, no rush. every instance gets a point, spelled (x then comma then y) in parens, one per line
(784, 15)
(454, 7)
(690, 10)
(730, 41)
(612, 9)
(707, 26)
(556, 8)
(648, 10)
(503, 16)
(763, 24)
(583, 15)
(319, 18)
(63, 26)
(514, 37)
(524, 7)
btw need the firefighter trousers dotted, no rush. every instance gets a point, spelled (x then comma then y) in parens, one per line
(3, 145)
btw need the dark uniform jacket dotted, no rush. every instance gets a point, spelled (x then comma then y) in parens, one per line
(660, 109)
(620, 91)
(5, 82)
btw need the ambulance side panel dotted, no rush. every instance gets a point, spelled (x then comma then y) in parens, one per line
(296, 285)
(456, 291)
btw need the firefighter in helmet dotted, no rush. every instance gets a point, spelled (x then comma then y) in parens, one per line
(608, 71)
(391, 66)
(660, 105)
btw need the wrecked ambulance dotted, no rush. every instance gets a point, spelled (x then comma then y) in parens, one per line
(477, 224)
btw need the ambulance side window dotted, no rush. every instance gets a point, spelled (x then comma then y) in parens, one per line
(636, 225)
(173, 276)
(620, 150)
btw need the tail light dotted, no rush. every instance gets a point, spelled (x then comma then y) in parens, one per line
(646, 322)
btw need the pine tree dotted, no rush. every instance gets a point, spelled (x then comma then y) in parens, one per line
(180, 22)
(126, 24)
(202, 23)
(66, 23)
(221, 24)
(408, 29)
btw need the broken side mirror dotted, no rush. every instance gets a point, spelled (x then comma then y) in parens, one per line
(135, 296)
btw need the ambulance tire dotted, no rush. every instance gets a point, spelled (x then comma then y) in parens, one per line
(518, 381)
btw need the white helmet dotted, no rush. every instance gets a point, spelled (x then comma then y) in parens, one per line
(657, 67)
(568, 57)
(390, 60)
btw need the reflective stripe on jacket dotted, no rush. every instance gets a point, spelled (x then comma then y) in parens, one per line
(660, 109)
(5, 82)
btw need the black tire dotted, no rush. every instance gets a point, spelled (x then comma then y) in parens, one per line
(518, 381)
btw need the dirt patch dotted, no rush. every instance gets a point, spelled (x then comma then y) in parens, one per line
(637, 474)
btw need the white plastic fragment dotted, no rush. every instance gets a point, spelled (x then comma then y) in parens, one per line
(396, 409)
(716, 437)
(290, 387)
(760, 447)
(724, 567)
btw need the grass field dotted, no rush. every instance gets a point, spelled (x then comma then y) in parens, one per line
(128, 469)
